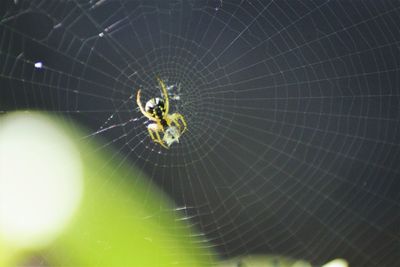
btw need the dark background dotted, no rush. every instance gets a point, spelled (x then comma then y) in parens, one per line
(292, 108)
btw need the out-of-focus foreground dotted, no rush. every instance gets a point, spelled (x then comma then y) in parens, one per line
(63, 203)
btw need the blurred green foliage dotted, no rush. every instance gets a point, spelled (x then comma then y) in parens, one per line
(123, 220)
(275, 261)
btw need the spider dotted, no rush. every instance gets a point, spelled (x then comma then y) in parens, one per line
(156, 110)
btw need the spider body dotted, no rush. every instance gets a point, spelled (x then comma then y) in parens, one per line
(156, 107)
(157, 111)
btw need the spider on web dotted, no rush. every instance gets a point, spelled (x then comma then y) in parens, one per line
(157, 111)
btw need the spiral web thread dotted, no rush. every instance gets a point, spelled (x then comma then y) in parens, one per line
(292, 110)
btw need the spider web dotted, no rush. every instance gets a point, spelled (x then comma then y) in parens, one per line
(292, 109)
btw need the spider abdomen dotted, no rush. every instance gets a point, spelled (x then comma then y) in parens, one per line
(156, 107)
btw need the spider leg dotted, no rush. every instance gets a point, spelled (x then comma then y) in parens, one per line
(172, 121)
(178, 119)
(154, 132)
(165, 94)
(183, 121)
(139, 103)
(151, 133)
